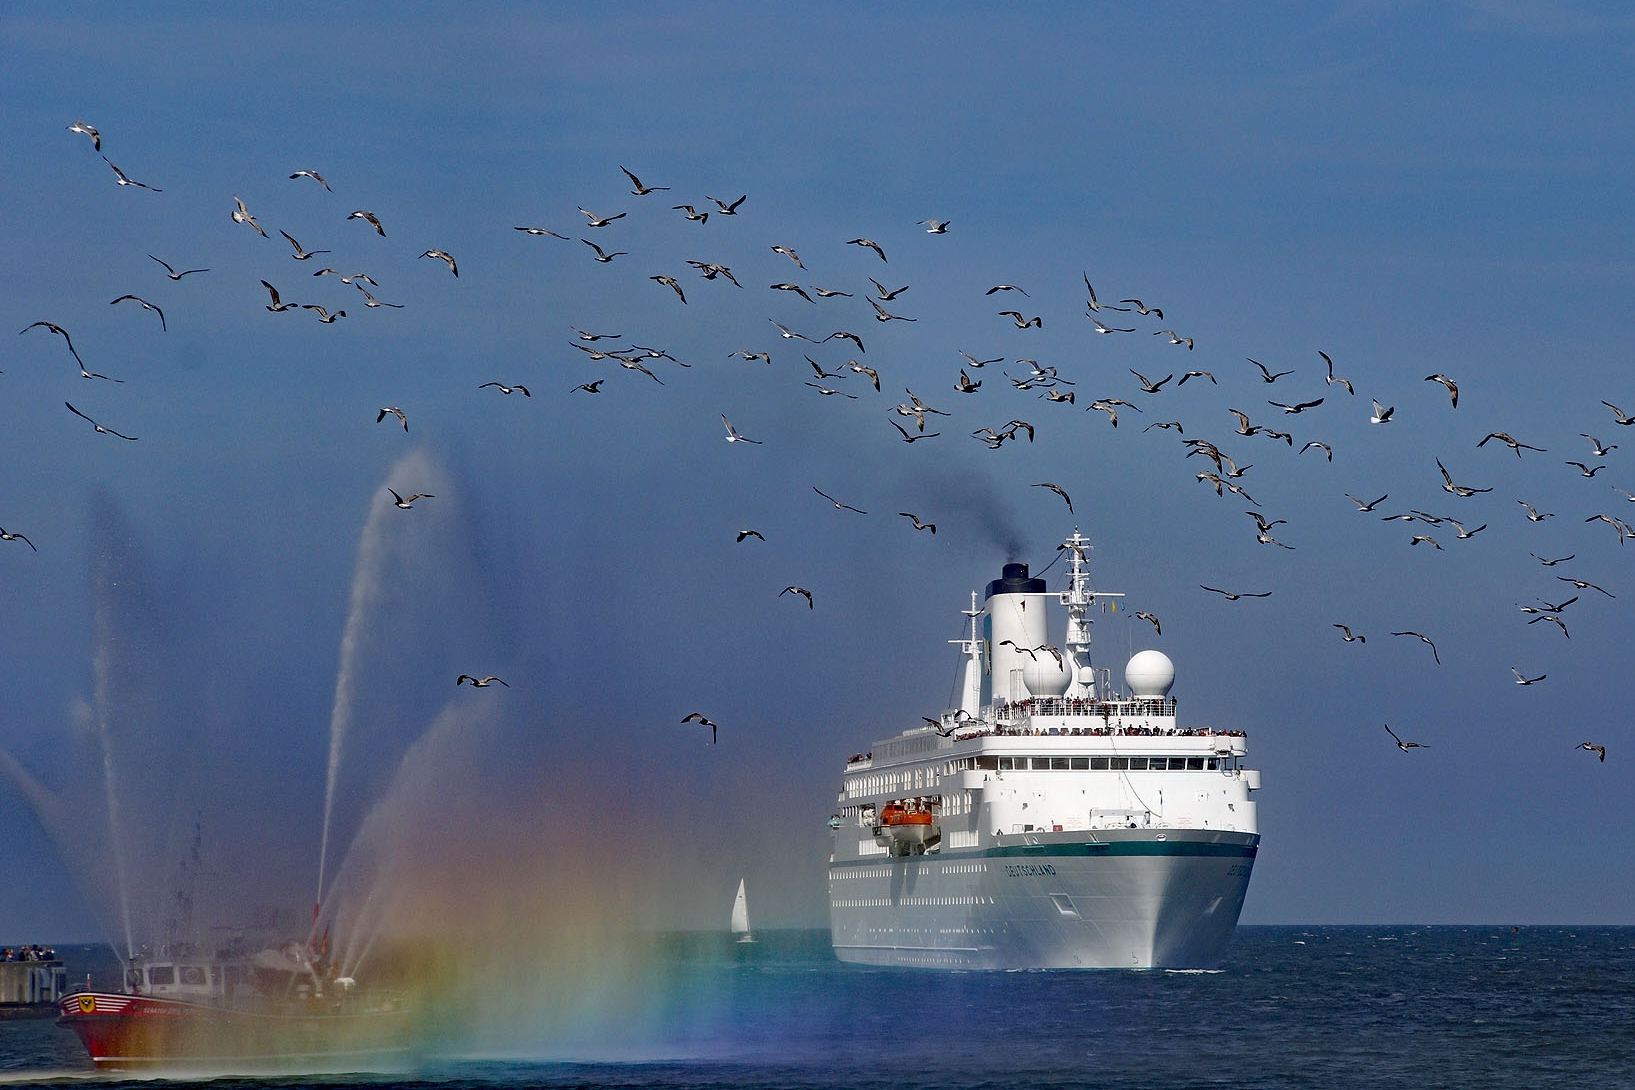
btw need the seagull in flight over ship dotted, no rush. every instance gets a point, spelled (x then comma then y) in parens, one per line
(1157, 628)
(241, 214)
(748, 355)
(1147, 385)
(519, 388)
(936, 227)
(1586, 470)
(1457, 489)
(603, 256)
(790, 335)
(742, 534)
(642, 190)
(1232, 596)
(1453, 387)
(173, 274)
(1004, 287)
(790, 254)
(1197, 374)
(827, 392)
(1600, 450)
(1142, 308)
(589, 387)
(732, 433)
(1348, 637)
(145, 306)
(63, 333)
(444, 257)
(858, 368)
(982, 363)
(300, 254)
(1427, 640)
(598, 221)
(120, 179)
(542, 231)
(1555, 620)
(99, 427)
(802, 591)
(405, 504)
(1520, 680)
(313, 174)
(1059, 491)
(910, 437)
(277, 304)
(1333, 379)
(1382, 415)
(1175, 338)
(323, 315)
(479, 682)
(838, 505)
(1552, 563)
(371, 301)
(4, 536)
(393, 410)
(796, 288)
(1507, 440)
(695, 717)
(82, 127)
(692, 214)
(1035, 321)
(936, 725)
(725, 208)
(1533, 513)
(369, 217)
(670, 282)
(1599, 751)
(1298, 407)
(1404, 746)
(918, 525)
(1582, 585)
(841, 334)
(883, 315)
(886, 294)
(1100, 327)
(1266, 375)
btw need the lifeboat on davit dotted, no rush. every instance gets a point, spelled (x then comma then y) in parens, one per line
(906, 828)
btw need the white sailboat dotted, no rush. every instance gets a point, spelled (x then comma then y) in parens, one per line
(740, 916)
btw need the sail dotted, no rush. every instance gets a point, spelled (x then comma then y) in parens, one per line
(740, 912)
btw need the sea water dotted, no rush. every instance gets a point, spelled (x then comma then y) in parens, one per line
(1290, 1007)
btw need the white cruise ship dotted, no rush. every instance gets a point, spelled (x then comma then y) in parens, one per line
(1049, 821)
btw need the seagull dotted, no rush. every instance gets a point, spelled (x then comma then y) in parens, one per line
(479, 682)
(1533, 514)
(1059, 491)
(393, 410)
(1266, 375)
(1600, 451)
(1142, 308)
(1324, 447)
(1348, 637)
(1586, 470)
(790, 254)
(802, 591)
(1427, 539)
(725, 208)
(1095, 304)
(796, 288)
(1333, 379)
(598, 221)
(1507, 440)
(542, 231)
(830, 293)
(300, 254)
(918, 525)
(1614, 523)
(910, 437)
(1458, 489)
(120, 179)
(371, 301)
(99, 427)
(936, 227)
(742, 534)
(323, 315)
(670, 282)
(1100, 327)
(1147, 385)
(1404, 746)
(1552, 563)
(883, 315)
(695, 717)
(841, 334)
(642, 190)
(63, 333)
(174, 275)
(1520, 680)
(1424, 637)
(965, 385)
(1463, 533)
(1599, 751)
(1157, 628)
(1582, 585)
(277, 304)
(519, 388)
(732, 433)
(1056, 395)
(1035, 321)
(936, 725)
(1619, 414)
(241, 214)
(1175, 338)
(365, 277)
(601, 255)
(748, 355)
(1197, 374)
(858, 368)
(871, 244)
(444, 257)
(886, 294)
(365, 214)
(313, 174)
(1382, 415)
(589, 387)
(633, 365)
(1004, 287)
(838, 505)
(4, 536)
(1165, 425)
(700, 217)
(399, 501)
(145, 306)
(1555, 620)
(1453, 387)
(1299, 407)
(827, 392)
(1112, 413)
(82, 127)
(1232, 597)
(982, 363)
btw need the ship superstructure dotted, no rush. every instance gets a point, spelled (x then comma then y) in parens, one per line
(1048, 821)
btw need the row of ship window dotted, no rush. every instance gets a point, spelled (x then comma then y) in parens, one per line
(1070, 764)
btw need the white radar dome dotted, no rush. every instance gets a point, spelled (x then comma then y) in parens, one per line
(1149, 674)
(1044, 676)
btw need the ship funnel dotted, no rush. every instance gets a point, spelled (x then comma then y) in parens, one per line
(1013, 626)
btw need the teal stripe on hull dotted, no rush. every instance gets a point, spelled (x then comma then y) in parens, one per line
(1098, 849)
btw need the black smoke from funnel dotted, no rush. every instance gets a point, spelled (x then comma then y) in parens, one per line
(970, 507)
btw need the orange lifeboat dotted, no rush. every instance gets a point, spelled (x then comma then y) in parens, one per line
(906, 829)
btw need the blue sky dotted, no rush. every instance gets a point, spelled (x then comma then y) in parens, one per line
(1409, 188)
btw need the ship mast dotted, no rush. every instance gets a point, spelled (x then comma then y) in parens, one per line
(970, 696)
(1078, 598)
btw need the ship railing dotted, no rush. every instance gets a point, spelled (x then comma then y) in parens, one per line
(1077, 707)
(1026, 730)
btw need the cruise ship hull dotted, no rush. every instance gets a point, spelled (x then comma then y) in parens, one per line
(1112, 899)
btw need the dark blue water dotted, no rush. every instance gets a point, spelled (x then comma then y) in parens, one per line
(1292, 1007)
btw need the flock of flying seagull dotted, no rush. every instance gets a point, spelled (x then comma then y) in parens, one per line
(1042, 381)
